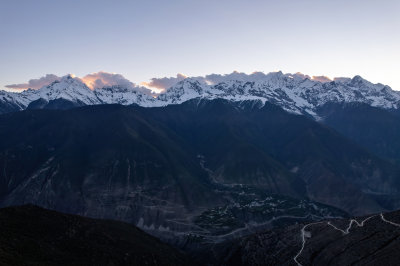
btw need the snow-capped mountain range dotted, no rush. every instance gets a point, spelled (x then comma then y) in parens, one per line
(295, 93)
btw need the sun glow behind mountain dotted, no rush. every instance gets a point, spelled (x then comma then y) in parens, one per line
(90, 81)
(101, 79)
(93, 80)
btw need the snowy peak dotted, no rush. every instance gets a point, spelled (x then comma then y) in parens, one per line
(296, 93)
(73, 90)
(184, 90)
(67, 88)
(118, 94)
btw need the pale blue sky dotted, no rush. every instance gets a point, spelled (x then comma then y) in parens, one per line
(145, 39)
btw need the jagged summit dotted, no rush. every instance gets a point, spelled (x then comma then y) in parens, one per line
(296, 93)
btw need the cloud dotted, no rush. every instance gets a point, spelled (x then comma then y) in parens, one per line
(102, 79)
(157, 85)
(160, 84)
(93, 81)
(321, 79)
(342, 79)
(35, 83)
(302, 76)
(235, 75)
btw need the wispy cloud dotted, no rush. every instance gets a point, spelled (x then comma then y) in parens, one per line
(156, 85)
(160, 84)
(34, 83)
(93, 81)
(235, 75)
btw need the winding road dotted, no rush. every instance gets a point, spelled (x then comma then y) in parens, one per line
(305, 234)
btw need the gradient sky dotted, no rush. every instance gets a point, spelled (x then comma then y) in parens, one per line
(146, 39)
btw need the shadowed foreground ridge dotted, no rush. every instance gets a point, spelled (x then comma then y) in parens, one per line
(31, 235)
(368, 240)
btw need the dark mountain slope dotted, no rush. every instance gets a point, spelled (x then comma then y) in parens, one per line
(374, 128)
(57, 104)
(8, 107)
(331, 166)
(162, 168)
(34, 236)
(369, 240)
(89, 160)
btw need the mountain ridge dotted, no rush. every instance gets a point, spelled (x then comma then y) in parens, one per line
(201, 166)
(367, 240)
(56, 238)
(295, 93)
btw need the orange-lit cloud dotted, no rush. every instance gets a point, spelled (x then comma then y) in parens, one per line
(157, 85)
(321, 79)
(302, 76)
(102, 79)
(93, 81)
